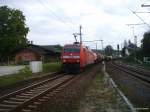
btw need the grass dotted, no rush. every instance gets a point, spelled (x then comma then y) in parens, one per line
(13, 78)
(101, 97)
(26, 74)
(51, 67)
(132, 62)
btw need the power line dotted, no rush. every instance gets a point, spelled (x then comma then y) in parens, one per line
(142, 12)
(70, 20)
(139, 17)
(53, 13)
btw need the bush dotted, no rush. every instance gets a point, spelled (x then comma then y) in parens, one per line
(13, 78)
(51, 67)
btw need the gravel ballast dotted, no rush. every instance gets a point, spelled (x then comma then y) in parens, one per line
(101, 97)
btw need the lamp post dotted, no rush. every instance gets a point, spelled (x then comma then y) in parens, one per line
(133, 31)
(135, 37)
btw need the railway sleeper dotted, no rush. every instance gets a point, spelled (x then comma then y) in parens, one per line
(4, 110)
(27, 94)
(37, 103)
(42, 89)
(49, 95)
(11, 102)
(45, 97)
(42, 100)
(35, 91)
(21, 96)
(56, 91)
(7, 106)
(18, 99)
(32, 106)
(26, 110)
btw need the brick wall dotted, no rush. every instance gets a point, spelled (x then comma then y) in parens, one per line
(26, 55)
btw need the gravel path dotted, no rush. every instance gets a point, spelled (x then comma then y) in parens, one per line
(100, 97)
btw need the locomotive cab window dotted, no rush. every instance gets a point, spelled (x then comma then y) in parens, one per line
(67, 50)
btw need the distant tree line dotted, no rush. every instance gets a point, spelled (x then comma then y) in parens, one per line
(145, 47)
(143, 51)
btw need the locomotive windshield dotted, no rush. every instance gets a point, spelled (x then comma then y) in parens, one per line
(71, 49)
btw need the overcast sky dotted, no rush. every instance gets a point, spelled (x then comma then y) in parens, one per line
(54, 21)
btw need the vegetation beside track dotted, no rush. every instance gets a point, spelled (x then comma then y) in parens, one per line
(51, 67)
(131, 61)
(101, 97)
(25, 74)
(10, 79)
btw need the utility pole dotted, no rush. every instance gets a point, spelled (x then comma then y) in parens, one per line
(80, 35)
(96, 47)
(135, 40)
(102, 46)
(134, 36)
(102, 43)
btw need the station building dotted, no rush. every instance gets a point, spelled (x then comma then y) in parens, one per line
(46, 53)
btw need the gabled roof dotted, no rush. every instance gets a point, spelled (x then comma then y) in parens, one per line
(36, 49)
(54, 48)
(43, 50)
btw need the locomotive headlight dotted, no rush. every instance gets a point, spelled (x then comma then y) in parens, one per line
(78, 60)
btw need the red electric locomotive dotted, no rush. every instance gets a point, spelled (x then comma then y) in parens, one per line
(76, 56)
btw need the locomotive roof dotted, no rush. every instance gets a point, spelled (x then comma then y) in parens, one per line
(72, 45)
(77, 45)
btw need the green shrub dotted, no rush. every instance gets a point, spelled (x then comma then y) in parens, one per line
(26, 73)
(51, 67)
(13, 78)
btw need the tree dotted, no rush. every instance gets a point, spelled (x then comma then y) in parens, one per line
(13, 31)
(109, 50)
(146, 44)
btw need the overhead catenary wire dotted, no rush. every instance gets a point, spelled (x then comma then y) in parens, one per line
(70, 20)
(139, 17)
(52, 13)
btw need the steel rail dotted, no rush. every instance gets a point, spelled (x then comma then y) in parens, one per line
(133, 73)
(136, 69)
(39, 96)
(15, 98)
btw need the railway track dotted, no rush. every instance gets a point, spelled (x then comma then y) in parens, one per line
(29, 98)
(137, 69)
(137, 73)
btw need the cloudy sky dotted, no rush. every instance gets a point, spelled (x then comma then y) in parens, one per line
(54, 21)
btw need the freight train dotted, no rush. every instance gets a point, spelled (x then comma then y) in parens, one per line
(75, 57)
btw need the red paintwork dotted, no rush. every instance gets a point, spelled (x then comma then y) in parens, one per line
(86, 55)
